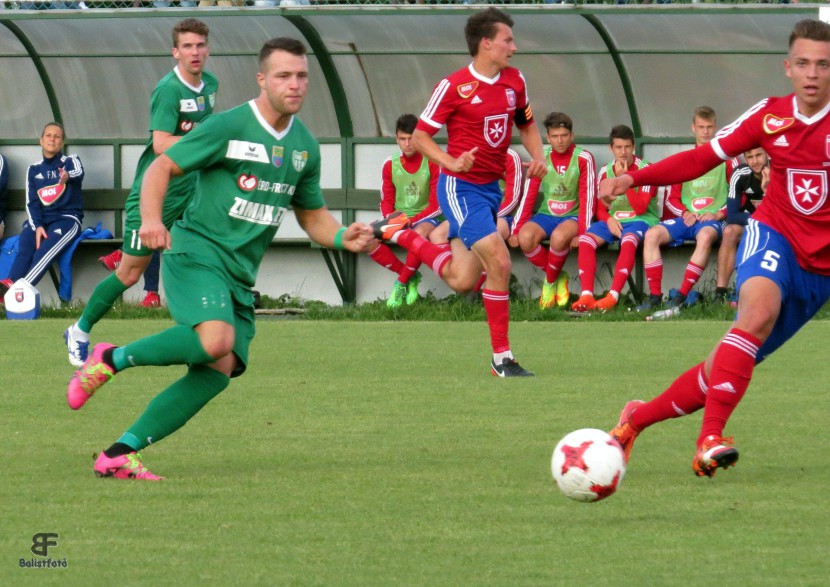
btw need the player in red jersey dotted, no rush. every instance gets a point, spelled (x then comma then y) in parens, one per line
(408, 183)
(478, 104)
(563, 212)
(784, 259)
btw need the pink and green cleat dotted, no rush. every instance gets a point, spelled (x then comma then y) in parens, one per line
(128, 466)
(93, 374)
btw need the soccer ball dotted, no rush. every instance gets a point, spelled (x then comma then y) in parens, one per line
(588, 465)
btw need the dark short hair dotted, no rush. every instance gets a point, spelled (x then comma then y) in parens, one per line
(559, 120)
(812, 30)
(705, 113)
(53, 123)
(482, 25)
(288, 44)
(621, 131)
(189, 25)
(406, 123)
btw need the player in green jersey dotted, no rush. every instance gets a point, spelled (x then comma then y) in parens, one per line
(254, 162)
(181, 100)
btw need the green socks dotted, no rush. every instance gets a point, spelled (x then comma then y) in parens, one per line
(173, 407)
(179, 345)
(100, 302)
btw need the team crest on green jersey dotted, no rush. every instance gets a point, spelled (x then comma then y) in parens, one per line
(212, 100)
(299, 159)
(200, 103)
(277, 155)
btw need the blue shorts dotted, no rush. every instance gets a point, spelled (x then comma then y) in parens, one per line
(550, 223)
(470, 208)
(681, 233)
(600, 229)
(764, 252)
(509, 220)
(433, 221)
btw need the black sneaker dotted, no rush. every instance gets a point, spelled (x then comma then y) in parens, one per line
(386, 227)
(509, 368)
(650, 303)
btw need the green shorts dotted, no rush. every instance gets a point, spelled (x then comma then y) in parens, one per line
(198, 290)
(172, 211)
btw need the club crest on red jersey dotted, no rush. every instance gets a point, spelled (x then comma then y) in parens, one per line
(774, 124)
(827, 146)
(467, 90)
(247, 183)
(495, 129)
(50, 194)
(807, 189)
(510, 94)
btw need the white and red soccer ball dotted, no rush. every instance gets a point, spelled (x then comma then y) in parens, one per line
(588, 465)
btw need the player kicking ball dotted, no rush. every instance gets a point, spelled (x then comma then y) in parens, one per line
(784, 259)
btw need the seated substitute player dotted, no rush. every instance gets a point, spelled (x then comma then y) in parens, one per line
(700, 205)
(408, 182)
(564, 211)
(746, 189)
(625, 222)
(55, 207)
(216, 248)
(784, 270)
(181, 100)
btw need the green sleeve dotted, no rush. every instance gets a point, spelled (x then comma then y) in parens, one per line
(308, 195)
(164, 110)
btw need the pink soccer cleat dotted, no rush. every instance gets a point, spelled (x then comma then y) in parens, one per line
(93, 374)
(128, 466)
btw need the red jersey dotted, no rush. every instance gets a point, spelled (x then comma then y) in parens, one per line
(478, 112)
(512, 175)
(389, 195)
(795, 203)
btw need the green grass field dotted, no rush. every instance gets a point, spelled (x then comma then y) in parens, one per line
(357, 453)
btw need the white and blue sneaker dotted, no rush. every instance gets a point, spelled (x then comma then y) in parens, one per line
(78, 349)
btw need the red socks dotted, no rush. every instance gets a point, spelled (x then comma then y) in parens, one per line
(436, 256)
(625, 261)
(690, 277)
(686, 395)
(587, 262)
(384, 257)
(731, 372)
(538, 256)
(497, 308)
(654, 276)
(556, 260)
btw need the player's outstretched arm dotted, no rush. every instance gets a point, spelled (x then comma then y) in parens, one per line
(610, 188)
(323, 228)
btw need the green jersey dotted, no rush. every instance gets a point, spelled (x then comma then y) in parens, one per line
(707, 193)
(621, 209)
(175, 107)
(249, 175)
(411, 189)
(560, 192)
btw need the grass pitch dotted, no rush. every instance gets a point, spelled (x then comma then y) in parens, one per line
(356, 453)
